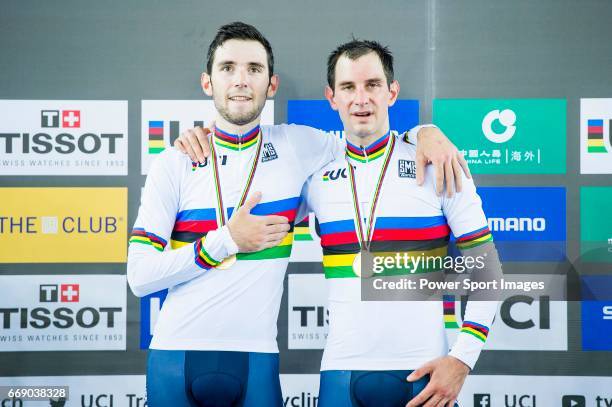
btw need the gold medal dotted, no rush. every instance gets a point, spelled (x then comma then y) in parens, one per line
(227, 262)
(220, 210)
(365, 234)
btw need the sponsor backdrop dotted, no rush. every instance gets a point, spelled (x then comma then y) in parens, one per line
(90, 94)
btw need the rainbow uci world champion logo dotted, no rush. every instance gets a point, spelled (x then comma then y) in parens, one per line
(595, 136)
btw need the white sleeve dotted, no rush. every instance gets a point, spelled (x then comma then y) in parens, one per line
(411, 135)
(152, 265)
(467, 220)
(305, 201)
(313, 148)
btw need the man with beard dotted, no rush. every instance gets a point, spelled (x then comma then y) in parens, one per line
(215, 339)
(384, 352)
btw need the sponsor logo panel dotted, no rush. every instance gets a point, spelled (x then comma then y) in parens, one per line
(150, 306)
(528, 223)
(62, 137)
(300, 390)
(532, 391)
(163, 121)
(515, 136)
(307, 311)
(595, 224)
(63, 225)
(596, 136)
(596, 311)
(522, 322)
(66, 312)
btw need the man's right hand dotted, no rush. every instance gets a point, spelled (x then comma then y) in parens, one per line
(194, 142)
(253, 233)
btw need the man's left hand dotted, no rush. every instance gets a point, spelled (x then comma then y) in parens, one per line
(446, 377)
(435, 148)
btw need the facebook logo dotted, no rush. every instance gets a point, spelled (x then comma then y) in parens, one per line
(482, 400)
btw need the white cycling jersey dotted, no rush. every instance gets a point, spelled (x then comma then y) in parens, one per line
(392, 335)
(177, 242)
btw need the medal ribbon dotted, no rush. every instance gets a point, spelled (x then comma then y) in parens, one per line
(220, 207)
(359, 223)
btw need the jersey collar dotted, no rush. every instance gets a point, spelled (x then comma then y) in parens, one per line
(370, 153)
(236, 142)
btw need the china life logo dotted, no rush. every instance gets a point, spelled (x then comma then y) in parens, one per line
(595, 136)
(517, 136)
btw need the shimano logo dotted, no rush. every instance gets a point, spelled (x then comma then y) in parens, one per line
(517, 224)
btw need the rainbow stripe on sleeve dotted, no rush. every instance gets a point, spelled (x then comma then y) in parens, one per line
(139, 235)
(202, 258)
(479, 331)
(475, 238)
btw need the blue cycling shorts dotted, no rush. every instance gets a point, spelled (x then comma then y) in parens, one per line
(212, 379)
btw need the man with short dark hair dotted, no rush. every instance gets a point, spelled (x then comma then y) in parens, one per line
(229, 221)
(374, 346)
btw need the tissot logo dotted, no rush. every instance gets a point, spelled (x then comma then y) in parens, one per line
(63, 137)
(50, 118)
(312, 315)
(63, 143)
(67, 293)
(406, 169)
(65, 312)
(308, 318)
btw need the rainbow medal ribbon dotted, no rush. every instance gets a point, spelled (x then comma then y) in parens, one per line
(365, 234)
(220, 211)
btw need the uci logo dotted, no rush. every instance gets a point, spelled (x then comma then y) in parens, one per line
(506, 118)
(333, 175)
